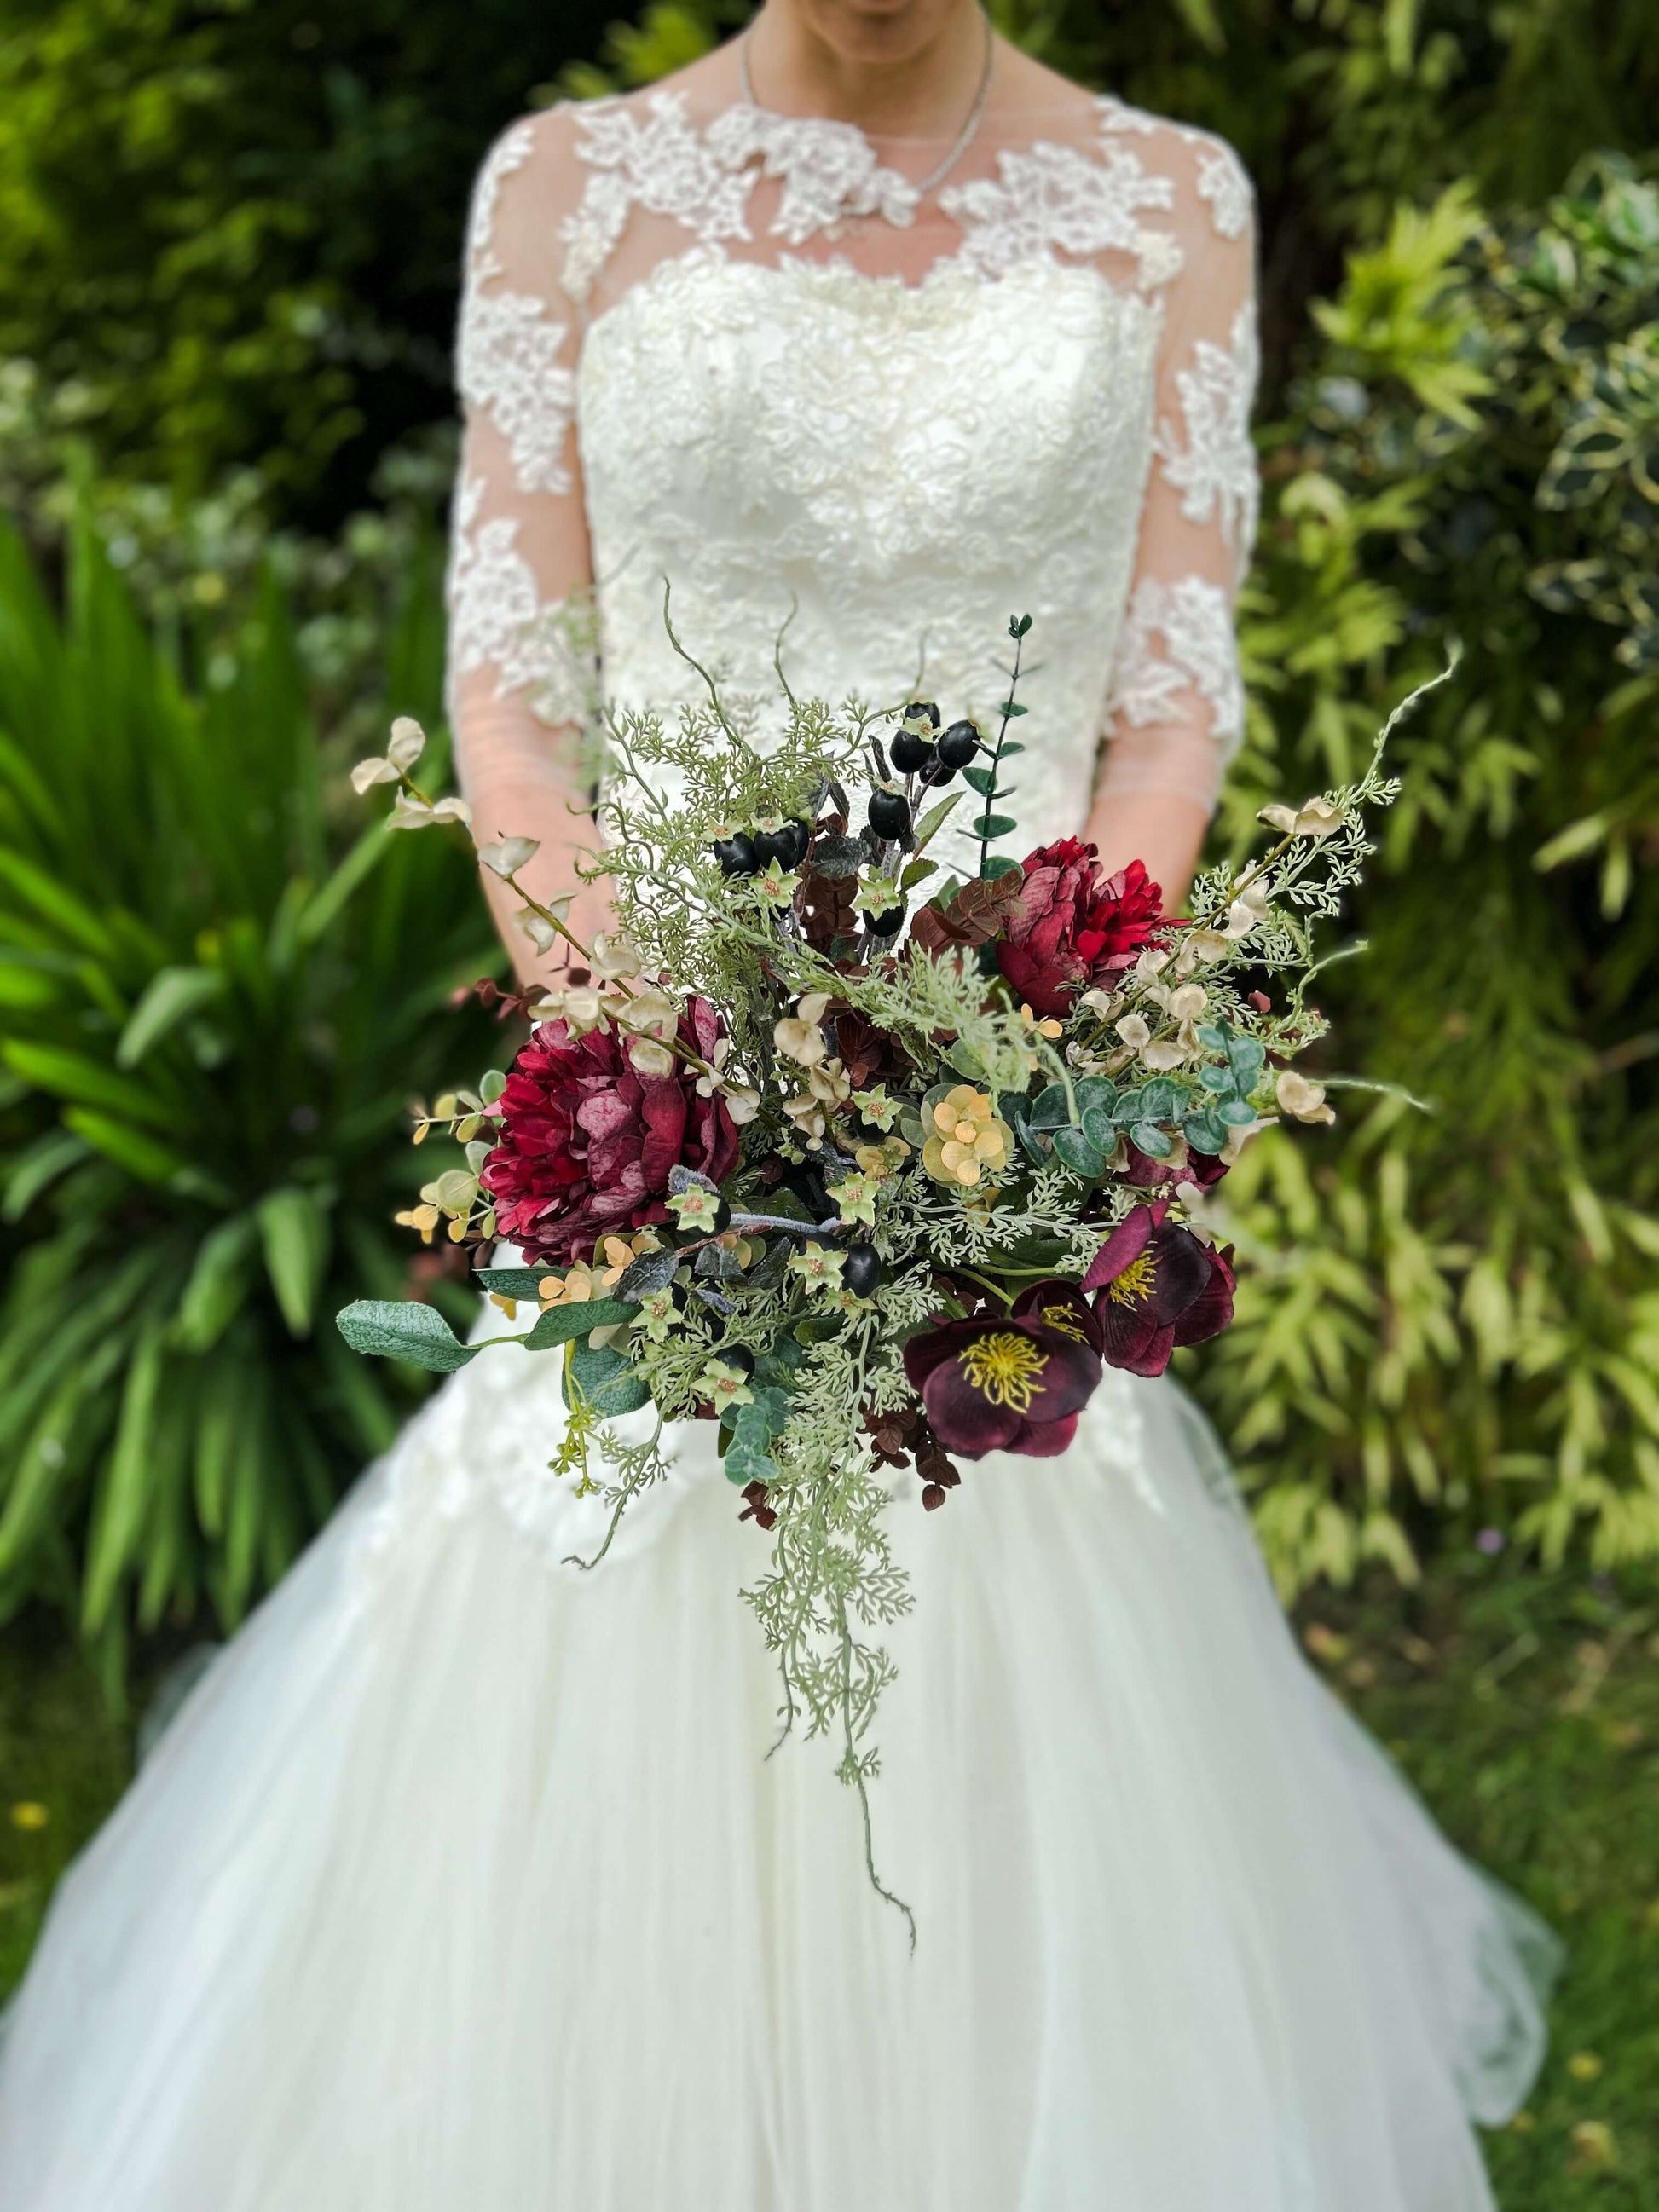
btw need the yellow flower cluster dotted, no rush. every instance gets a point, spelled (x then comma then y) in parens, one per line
(965, 1140)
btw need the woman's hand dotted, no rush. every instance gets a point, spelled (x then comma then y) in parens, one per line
(567, 836)
(1163, 829)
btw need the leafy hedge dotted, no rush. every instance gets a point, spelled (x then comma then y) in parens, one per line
(229, 232)
(1457, 1313)
(213, 1002)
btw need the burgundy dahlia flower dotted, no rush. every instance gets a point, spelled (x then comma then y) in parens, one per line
(1012, 1382)
(1158, 1285)
(588, 1141)
(1072, 926)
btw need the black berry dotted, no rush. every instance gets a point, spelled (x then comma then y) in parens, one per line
(922, 710)
(860, 1269)
(885, 924)
(775, 844)
(889, 814)
(800, 835)
(958, 744)
(736, 854)
(909, 752)
(738, 1356)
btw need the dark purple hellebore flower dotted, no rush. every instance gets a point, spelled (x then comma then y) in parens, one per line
(1009, 1382)
(1158, 1285)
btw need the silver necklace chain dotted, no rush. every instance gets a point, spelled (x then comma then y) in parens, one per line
(964, 138)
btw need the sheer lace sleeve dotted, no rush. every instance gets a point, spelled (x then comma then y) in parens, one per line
(1176, 714)
(519, 658)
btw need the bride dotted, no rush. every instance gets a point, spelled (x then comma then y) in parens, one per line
(463, 1884)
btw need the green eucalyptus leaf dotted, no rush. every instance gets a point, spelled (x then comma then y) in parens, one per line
(1159, 1100)
(1205, 1132)
(993, 825)
(1099, 1128)
(981, 779)
(1073, 1150)
(1148, 1137)
(999, 864)
(1051, 1109)
(747, 1461)
(1245, 1055)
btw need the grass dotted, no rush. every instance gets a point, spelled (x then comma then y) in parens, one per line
(1525, 1706)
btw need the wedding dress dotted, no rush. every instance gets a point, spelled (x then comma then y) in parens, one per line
(464, 1883)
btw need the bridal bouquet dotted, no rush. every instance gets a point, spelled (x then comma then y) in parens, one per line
(867, 1146)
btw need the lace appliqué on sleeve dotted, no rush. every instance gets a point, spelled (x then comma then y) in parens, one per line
(510, 152)
(1055, 197)
(1193, 618)
(498, 620)
(508, 366)
(1215, 472)
(1222, 181)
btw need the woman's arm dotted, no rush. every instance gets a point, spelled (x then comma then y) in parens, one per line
(1176, 710)
(521, 658)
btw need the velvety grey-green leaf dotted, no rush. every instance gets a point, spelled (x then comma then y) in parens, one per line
(513, 1282)
(836, 857)
(606, 1381)
(651, 1271)
(1148, 1137)
(560, 1323)
(403, 1329)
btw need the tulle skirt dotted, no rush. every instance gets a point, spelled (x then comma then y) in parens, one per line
(462, 1882)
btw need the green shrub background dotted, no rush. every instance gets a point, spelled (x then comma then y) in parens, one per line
(229, 233)
(227, 277)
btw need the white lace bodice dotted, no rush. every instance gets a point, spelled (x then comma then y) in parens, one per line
(736, 350)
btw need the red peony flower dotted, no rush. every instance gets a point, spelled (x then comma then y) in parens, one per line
(1012, 1382)
(588, 1141)
(1158, 1285)
(1072, 927)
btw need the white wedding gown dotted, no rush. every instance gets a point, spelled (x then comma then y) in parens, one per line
(462, 1883)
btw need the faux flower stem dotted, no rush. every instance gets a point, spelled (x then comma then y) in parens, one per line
(1002, 739)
